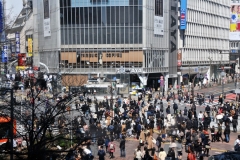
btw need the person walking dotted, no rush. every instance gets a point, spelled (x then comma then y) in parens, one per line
(111, 148)
(101, 153)
(162, 154)
(227, 132)
(122, 147)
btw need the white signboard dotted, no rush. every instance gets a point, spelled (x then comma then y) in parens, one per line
(128, 70)
(158, 25)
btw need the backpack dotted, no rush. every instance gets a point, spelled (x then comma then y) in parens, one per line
(111, 146)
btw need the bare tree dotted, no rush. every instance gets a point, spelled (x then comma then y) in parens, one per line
(39, 114)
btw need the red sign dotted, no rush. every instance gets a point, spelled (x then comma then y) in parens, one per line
(22, 59)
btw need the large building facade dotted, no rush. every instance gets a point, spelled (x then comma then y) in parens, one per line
(132, 40)
(204, 44)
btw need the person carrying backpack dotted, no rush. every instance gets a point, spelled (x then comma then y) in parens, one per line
(111, 148)
(101, 153)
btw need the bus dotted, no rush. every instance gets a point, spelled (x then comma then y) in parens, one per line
(5, 127)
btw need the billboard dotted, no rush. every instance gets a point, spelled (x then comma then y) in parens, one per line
(30, 47)
(183, 14)
(235, 22)
(158, 18)
(17, 39)
(46, 19)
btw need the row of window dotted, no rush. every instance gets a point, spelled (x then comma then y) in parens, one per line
(207, 31)
(101, 35)
(202, 55)
(206, 43)
(234, 44)
(219, 7)
(208, 19)
(102, 16)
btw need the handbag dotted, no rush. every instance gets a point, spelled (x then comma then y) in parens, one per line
(154, 141)
(207, 146)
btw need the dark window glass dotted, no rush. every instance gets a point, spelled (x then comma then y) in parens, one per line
(136, 34)
(104, 35)
(127, 35)
(95, 36)
(82, 36)
(121, 33)
(86, 35)
(131, 35)
(78, 35)
(61, 16)
(118, 36)
(113, 35)
(90, 34)
(113, 15)
(159, 8)
(108, 35)
(99, 34)
(108, 15)
(140, 35)
(85, 20)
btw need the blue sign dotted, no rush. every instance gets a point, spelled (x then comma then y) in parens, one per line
(183, 14)
(17, 39)
(5, 54)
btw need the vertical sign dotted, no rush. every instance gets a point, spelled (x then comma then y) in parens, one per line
(46, 19)
(183, 14)
(173, 34)
(179, 58)
(17, 39)
(30, 47)
(158, 18)
(5, 54)
(2, 22)
(1, 16)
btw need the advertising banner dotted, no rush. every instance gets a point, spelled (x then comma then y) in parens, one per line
(17, 39)
(183, 14)
(158, 25)
(46, 19)
(30, 47)
(158, 18)
(235, 22)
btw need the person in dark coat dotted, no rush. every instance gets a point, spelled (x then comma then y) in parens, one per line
(171, 153)
(122, 147)
(227, 133)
